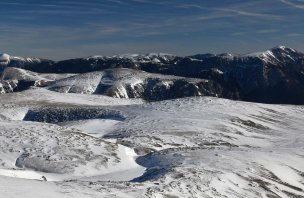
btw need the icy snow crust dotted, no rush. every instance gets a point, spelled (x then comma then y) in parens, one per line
(98, 146)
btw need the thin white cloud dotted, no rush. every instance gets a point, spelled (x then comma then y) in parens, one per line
(232, 11)
(292, 4)
(262, 31)
(186, 6)
(294, 34)
(238, 33)
(251, 14)
(61, 8)
(267, 31)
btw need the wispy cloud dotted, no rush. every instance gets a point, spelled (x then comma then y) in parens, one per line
(233, 10)
(238, 33)
(261, 31)
(267, 31)
(58, 8)
(250, 14)
(293, 4)
(294, 34)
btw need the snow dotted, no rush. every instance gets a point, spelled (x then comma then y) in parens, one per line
(45, 151)
(190, 147)
(4, 57)
(112, 82)
(24, 174)
(95, 127)
(26, 59)
(126, 170)
(44, 96)
(272, 55)
(267, 56)
(15, 188)
(71, 84)
(136, 58)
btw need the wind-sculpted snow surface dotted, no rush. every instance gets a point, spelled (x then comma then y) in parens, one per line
(98, 146)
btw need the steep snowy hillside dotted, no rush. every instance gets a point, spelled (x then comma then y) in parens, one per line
(76, 145)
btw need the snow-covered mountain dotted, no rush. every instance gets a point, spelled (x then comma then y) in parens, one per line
(277, 55)
(273, 76)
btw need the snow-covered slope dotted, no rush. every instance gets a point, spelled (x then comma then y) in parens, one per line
(219, 148)
(40, 96)
(190, 147)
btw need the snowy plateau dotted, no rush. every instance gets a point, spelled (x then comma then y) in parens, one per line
(154, 125)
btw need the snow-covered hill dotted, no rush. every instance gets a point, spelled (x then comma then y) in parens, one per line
(128, 83)
(190, 147)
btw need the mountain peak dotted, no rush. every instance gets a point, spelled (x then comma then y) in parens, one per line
(276, 54)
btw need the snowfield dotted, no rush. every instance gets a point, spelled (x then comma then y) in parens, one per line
(74, 145)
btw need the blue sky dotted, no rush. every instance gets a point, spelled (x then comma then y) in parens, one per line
(60, 29)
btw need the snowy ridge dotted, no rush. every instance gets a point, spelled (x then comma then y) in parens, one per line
(30, 60)
(275, 54)
(127, 83)
(137, 58)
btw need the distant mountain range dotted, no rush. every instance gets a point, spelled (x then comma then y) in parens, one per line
(273, 76)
